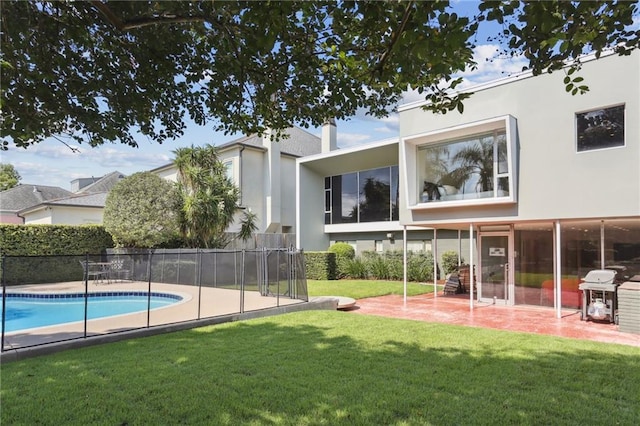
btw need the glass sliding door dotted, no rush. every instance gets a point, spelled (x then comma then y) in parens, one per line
(495, 283)
(533, 264)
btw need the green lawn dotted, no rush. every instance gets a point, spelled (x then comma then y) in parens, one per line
(328, 368)
(359, 289)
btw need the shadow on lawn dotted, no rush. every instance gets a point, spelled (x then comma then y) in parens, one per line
(317, 368)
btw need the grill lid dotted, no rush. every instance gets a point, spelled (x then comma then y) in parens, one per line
(600, 276)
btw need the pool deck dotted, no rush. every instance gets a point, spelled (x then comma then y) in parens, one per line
(215, 302)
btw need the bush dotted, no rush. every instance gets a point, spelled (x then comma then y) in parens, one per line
(320, 265)
(49, 253)
(450, 262)
(344, 253)
(355, 268)
(420, 267)
(142, 211)
(343, 249)
(39, 240)
(378, 268)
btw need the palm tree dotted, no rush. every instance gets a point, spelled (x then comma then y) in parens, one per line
(209, 198)
(474, 160)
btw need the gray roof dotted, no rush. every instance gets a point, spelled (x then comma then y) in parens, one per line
(300, 143)
(104, 184)
(26, 195)
(96, 199)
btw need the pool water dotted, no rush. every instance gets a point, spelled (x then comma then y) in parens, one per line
(25, 311)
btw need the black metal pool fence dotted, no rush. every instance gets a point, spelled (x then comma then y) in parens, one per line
(208, 282)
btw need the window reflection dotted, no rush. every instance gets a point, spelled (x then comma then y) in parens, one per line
(475, 167)
(366, 196)
(602, 128)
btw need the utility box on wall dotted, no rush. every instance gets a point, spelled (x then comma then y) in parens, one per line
(629, 306)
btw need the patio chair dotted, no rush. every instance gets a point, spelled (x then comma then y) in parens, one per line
(94, 270)
(118, 271)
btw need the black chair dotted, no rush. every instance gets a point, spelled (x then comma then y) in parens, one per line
(94, 271)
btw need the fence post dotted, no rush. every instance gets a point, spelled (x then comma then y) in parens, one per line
(150, 254)
(4, 300)
(199, 278)
(86, 292)
(242, 284)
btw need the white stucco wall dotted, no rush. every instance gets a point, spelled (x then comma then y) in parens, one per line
(168, 173)
(252, 171)
(312, 233)
(555, 181)
(288, 192)
(63, 215)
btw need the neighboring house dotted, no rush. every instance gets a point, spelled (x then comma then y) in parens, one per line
(264, 171)
(78, 209)
(83, 206)
(532, 186)
(13, 200)
(96, 185)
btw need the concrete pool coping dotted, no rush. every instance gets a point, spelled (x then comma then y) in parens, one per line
(217, 306)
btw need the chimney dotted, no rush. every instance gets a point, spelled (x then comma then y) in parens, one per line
(329, 136)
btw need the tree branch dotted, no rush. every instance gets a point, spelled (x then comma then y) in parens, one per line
(142, 22)
(108, 14)
(395, 37)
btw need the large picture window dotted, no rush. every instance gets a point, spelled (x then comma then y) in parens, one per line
(600, 128)
(468, 168)
(366, 196)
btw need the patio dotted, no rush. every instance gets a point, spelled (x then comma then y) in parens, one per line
(519, 318)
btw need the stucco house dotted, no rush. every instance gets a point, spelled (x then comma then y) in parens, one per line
(264, 171)
(85, 205)
(532, 186)
(20, 197)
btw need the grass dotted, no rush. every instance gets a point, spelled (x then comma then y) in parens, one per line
(359, 289)
(328, 368)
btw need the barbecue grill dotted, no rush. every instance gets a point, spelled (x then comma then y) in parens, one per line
(599, 298)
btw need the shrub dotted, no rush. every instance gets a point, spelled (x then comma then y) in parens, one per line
(320, 265)
(378, 268)
(355, 268)
(344, 253)
(343, 249)
(420, 267)
(142, 211)
(450, 262)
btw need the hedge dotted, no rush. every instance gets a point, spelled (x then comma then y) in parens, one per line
(63, 245)
(320, 265)
(38, 240)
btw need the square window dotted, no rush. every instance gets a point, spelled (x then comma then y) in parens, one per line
(600, 128)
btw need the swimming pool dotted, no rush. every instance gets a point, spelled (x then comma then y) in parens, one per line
(25, 311)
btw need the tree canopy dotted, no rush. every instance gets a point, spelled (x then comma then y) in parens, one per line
(209, 199)
(142, 211)
(9, 176)
(104, 71)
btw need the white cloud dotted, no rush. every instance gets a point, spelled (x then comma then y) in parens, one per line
(346, 140)
(491, 65)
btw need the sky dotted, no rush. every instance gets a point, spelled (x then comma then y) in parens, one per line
(53, 163)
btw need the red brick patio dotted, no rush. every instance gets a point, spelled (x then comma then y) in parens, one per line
(530, 319)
